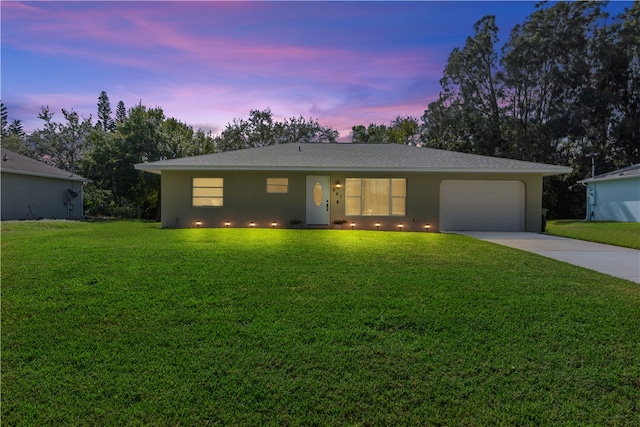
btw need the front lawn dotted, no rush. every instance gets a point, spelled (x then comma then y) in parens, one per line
(123, 323)
(626, 234)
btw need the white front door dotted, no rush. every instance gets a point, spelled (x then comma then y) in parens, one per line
(318, 199)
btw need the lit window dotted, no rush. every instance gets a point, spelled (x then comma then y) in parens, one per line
(207, 191)
(376, 196)
(278, 185)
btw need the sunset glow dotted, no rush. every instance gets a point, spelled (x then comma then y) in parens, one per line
(206, 63)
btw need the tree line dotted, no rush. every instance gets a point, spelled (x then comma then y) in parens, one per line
(565, 87)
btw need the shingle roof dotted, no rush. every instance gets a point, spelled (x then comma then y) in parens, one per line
(624, 173)
(17, 163)
(350, 157)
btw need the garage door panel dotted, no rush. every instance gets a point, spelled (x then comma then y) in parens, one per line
(481, 205)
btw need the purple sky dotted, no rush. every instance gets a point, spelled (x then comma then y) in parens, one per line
(205, 63)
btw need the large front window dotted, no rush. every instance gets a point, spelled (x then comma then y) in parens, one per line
(207, 191)
(376, 196)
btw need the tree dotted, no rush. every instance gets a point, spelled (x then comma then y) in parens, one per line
(62, 145)
(261, 130)
(404, 130)
(3, 119)
(443, 127)
(121, 113)
(473, 85)
(373, 134)
(105, 122)
(145, 134)
(13, 136)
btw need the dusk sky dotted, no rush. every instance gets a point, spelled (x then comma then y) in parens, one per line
(206, 63)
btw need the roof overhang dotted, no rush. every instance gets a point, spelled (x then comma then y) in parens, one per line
(608, 178)
(154, 168)
(74, 178)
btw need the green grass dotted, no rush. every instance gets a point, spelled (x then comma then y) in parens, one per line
(123, 323)
(626, 234)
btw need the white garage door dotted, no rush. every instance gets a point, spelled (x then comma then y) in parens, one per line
(481, 205)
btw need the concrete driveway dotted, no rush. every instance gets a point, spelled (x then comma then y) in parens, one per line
(612, 260)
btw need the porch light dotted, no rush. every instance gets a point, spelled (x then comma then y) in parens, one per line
(353, 224)
(227, 224)
(400, 227)
(427, 227)
(338, 185)
(252, 224)
(273, 224)
(198, 224)
(377, 226)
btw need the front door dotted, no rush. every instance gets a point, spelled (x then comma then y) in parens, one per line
(318, 199)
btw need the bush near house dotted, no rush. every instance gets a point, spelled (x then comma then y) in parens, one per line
(123, 323)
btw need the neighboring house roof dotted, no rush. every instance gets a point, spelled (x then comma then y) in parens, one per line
(351, 157)
(17, 163)
(624, 173)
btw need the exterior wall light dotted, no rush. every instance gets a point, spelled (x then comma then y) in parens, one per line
(338, 185)
(198, 224)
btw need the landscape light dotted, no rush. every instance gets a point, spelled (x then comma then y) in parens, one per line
(427, 227)
(227, 224)
(377, 226)
(252, 224)
(353, 224)
(400, 227)
(273, 224)
(198, 224)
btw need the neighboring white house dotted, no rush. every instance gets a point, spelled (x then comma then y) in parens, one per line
(614, 196)
(35, 190)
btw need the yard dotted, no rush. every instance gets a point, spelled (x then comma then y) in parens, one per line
(124, 323)
(626, 234)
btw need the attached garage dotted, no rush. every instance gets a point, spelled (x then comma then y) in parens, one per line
(478, 205)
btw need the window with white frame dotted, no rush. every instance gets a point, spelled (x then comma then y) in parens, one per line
(277, 185)
(375, 196)
(207, 192)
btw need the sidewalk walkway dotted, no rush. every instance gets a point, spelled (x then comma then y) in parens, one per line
(612, 260)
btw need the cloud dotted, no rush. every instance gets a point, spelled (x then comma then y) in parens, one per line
(210, 62)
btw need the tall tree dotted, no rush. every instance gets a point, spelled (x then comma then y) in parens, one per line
(13, 135)
(3, 119)
(472, 83)
(105, 121)
(121, 113)
(443, 127)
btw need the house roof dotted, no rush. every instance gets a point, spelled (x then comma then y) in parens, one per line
(350, 157)
(17, 163)
(624, 173)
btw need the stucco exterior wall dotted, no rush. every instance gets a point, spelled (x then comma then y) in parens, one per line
(615, 200)
(246, 199)
(33, 197)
